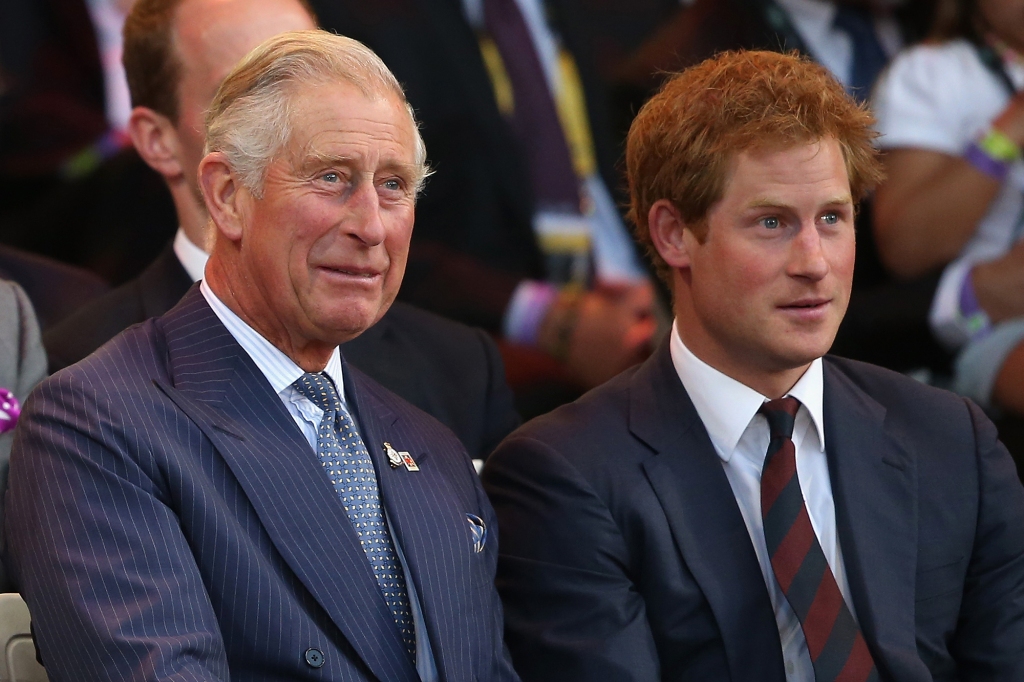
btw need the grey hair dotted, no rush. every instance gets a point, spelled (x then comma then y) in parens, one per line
(249, 120)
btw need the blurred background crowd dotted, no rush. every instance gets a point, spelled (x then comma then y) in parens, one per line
(524, 106)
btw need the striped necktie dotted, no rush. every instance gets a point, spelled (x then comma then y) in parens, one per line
(350, 470)
(834, 641)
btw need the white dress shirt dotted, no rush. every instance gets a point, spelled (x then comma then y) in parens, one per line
(740, 436)
(281, 371)
(191, 257)
(832, 47)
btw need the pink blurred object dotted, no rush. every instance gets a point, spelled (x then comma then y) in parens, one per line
(10, 410)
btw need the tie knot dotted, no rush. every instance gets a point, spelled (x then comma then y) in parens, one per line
(319, 388)
(780, 415)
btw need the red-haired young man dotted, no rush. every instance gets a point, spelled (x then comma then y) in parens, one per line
(739, 507)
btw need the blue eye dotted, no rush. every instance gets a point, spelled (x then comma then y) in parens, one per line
(771, 222)
(331, 177)
(830, 218)
(392, 184)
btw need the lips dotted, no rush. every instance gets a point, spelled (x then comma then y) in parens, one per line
(352, 271)
(807, 303)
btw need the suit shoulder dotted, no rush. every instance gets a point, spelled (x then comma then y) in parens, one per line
(94, 324)
(423, 323)
(135, 356)
(587, 424)
(914, 409)
(888, 387)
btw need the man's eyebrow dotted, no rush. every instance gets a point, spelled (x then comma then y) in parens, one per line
(317, 160)
(838, 200)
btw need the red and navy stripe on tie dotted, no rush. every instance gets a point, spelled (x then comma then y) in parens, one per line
(837, 647)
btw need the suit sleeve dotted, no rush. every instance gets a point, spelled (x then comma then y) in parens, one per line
(572, 612)
(97, 551)
(989, 640)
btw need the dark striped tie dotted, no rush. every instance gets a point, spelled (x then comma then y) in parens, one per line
(834, 641)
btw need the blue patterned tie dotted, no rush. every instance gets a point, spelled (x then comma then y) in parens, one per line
(350, 469)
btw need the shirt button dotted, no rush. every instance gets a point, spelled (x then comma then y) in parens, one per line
(315, 658)
(789, 666)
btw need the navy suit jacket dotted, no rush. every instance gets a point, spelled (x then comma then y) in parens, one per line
(624, 555)
(168, 521)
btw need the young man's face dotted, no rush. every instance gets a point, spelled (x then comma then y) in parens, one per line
(765, 292)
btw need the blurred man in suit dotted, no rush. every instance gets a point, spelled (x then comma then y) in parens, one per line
(216, 494)
(176, 54)
(739, 507)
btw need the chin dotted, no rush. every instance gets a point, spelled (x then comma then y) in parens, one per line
(341, 328)
(794, 357)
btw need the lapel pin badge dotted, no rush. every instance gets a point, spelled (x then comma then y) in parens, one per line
(409, 462)
(396, 459)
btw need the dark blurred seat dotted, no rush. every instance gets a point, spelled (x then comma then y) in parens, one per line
(114, 222)
(55, 289)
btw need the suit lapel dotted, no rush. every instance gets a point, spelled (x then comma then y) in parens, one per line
(874, 485)
(431, 529)
(217, 386)
(688, 478)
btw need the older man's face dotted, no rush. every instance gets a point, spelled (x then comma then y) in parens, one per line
(326, 245)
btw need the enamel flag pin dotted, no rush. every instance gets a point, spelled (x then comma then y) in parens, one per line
(396, 458)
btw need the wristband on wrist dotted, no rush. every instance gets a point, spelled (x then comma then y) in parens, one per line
(976, 156)
(999, 146)
(973, 320)
(992, 153)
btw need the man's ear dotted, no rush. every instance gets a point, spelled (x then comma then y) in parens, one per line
(667, 233)
(224, 194)
(156, 140)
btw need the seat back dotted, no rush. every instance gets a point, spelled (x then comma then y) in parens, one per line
(19, 652)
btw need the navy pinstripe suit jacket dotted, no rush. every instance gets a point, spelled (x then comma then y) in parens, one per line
(168, 521)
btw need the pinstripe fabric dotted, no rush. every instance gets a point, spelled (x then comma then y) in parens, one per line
(167, 521)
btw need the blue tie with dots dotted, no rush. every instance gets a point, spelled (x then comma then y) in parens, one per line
(350, 469)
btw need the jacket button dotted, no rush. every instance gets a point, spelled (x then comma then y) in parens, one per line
(315, 658)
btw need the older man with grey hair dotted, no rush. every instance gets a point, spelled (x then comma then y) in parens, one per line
(215, 494)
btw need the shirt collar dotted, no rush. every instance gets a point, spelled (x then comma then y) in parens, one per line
(726, 406)
(279, 369)
(191, 257)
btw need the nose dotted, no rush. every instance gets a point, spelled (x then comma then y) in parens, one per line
(807, 254)
(366, 222)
